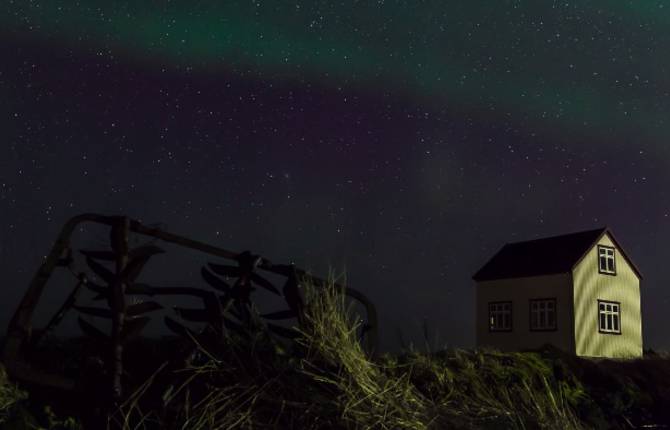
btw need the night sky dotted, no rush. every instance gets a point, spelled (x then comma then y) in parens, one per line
(403, 142)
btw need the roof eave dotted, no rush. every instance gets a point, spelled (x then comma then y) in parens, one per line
(476, 279)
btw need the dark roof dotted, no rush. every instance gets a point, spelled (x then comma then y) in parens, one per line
(558, 254)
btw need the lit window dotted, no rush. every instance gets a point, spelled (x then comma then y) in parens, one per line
(500, 316)
(606, 260)
(543, 314)
(609, 317)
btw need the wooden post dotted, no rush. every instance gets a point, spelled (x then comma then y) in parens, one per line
(119, 239)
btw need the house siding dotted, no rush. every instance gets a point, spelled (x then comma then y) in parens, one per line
(520, 291)
(591, 286)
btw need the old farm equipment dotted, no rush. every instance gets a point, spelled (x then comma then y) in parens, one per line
(226, 304)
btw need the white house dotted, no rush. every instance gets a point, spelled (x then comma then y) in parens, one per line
(579, 292)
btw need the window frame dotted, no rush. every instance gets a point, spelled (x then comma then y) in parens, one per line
(611, 312)
(511, 319)
(606, 271)
(530, 314)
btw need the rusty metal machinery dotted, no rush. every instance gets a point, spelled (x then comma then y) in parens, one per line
(226, 305)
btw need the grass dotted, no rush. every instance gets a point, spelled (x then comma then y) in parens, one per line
(10, 396)
(489, 389)
(324, 379)
(365, 393)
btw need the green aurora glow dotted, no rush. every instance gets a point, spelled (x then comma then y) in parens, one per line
(509, 59)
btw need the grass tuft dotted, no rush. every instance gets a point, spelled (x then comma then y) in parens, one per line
(10, 396)
(363, 393)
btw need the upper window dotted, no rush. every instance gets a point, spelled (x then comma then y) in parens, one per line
(543, 314)
(500, 316)
(606, 260)
(609, 317)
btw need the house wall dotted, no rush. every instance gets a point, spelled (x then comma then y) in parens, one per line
(624, 287)
(520, 291)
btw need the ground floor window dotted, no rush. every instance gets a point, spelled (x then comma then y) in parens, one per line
(543, 314)
(500, 316)
(609, 317)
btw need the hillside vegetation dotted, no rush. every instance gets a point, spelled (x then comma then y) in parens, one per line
(324, 379)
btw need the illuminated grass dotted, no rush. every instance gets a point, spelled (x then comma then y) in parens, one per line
(325, 379)
(10, 396)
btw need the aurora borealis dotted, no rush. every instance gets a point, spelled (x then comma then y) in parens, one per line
(402, 141)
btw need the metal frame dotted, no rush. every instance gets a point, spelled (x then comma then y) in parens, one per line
(21, 335)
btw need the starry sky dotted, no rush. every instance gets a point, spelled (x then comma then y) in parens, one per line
(401, 142)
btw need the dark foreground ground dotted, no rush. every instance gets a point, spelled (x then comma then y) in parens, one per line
(324, 379)
(343, 389)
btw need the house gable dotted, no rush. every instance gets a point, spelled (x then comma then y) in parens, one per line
(590, 287)
(606, 238)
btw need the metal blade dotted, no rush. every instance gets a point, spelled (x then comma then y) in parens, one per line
(264, 283)
(215, 281)
(133, 326)
(134, 268)
(96, 312)
(101, 270)
(91, 330)
(137, 288)
(145, 251)
(98, 255)
(225, 270)
(96, 288)
(178, 328)
(142, 308)
(194, 315)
